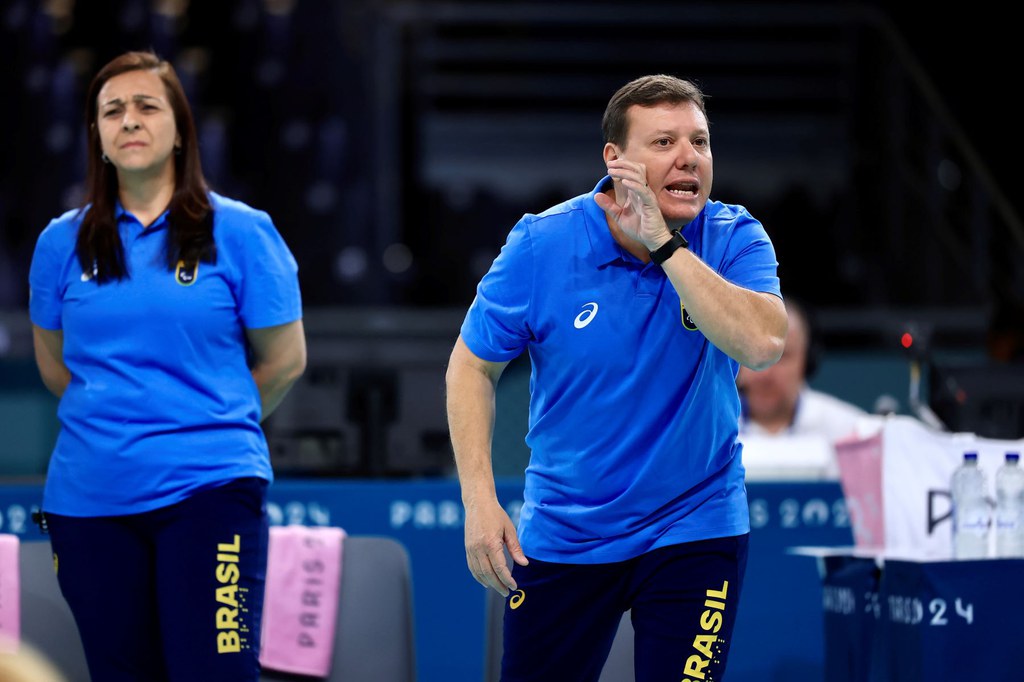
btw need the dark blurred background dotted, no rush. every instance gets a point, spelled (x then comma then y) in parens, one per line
(396, 143)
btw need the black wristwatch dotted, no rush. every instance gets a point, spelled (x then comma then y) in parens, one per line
(678, 241)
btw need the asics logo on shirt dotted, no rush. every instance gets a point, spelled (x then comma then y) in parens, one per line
(517, 598)
(588, 314)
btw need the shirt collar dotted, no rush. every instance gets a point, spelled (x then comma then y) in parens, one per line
(604, 248)
(122, 215)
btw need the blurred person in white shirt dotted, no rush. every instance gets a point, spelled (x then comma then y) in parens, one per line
(778, 404)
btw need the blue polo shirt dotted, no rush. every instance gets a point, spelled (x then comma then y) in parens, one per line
(161, 402)
(633, 413)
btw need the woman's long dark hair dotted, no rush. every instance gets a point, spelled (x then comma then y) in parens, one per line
(190, 222)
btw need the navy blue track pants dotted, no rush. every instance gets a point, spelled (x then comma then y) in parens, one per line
(170, 595)
(559, 625)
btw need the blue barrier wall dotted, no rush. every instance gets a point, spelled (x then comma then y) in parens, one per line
(779, 628)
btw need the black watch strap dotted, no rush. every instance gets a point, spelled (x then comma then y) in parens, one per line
(662, 253)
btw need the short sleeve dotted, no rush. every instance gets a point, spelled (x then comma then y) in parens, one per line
(496, 327)
(268, 291)
(45, 301)
(751, 262)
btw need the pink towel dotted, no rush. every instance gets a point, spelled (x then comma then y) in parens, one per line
(860, 474)
(300, 605)
(10, 594)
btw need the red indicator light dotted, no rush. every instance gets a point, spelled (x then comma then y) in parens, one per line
(907, 340)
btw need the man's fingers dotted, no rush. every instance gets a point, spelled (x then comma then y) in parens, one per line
(608, 205)
(628, 172)
(515, 550)
(605, 202)
(504, 576)
(491, 570)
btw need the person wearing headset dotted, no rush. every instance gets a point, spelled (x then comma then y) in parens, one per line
(778, 402)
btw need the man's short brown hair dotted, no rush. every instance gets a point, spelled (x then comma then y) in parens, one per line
(646, 91)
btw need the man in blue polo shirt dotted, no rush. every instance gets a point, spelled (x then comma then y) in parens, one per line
(637, 303)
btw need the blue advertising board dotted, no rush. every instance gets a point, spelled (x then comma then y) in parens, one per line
(779, 626)
(914, 621)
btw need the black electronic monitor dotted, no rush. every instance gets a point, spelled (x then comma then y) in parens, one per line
(986, 399)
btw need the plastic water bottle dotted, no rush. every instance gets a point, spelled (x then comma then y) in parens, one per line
(970, 510)
(1010, 508)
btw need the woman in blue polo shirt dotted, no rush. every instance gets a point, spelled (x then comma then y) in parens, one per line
(168, 320)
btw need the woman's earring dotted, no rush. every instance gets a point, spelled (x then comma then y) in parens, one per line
(106, 159)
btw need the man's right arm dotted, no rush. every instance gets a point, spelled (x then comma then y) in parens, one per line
(471, 383)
